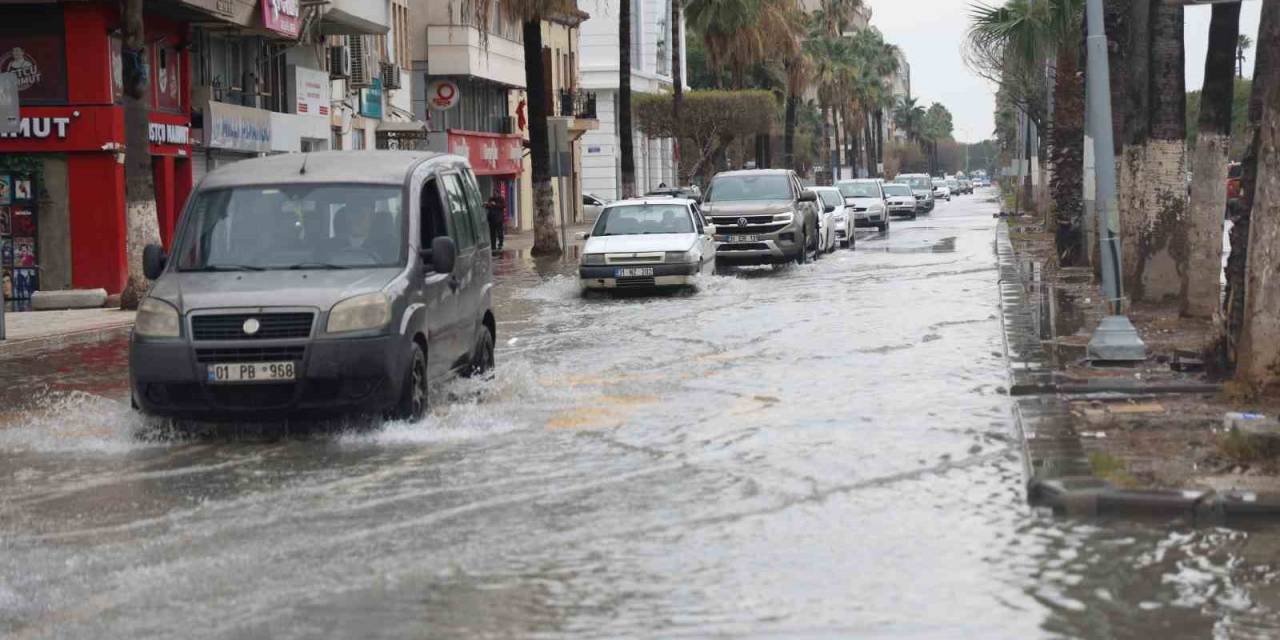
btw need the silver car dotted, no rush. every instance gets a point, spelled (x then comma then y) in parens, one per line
(296, 285)
(866, 199)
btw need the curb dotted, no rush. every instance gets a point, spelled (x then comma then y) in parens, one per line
(18, 348)
(1059, 476)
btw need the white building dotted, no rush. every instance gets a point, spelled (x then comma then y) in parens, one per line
(650, 73)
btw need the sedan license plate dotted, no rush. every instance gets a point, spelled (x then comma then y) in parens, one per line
(744, 238)
(633, 272)
(252, 372)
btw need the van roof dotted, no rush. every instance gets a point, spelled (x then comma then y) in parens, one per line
(360, 167)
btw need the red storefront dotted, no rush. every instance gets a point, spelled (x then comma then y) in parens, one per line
(496, 159)
(69, 153)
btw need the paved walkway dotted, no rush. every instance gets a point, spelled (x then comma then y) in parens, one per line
(28, 330)
(523, 241)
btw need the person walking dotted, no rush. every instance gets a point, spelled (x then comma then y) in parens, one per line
(496, 206)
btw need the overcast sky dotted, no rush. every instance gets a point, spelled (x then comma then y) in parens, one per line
(931, 31)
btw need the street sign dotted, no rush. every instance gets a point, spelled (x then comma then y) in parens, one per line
(442, 95)
(10, 121)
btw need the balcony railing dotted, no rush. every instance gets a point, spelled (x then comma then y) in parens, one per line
(577, 104)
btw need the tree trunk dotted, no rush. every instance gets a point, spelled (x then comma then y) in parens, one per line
(677, 88)
(1067, 178)
(879, 141)
(1259, 353)
(626, 141)
(142, 223)
(789, 133)
(840, 143)
(546, 241)
(1154, 225)
(826, 143)
(1209, 167)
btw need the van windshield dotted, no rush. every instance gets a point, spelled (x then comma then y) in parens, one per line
(292, 227)
(749, 187)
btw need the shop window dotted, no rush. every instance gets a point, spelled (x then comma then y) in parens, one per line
(32, 48)
(166, 79)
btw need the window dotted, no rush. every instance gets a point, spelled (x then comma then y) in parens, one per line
(433, 218)
(460, 225)
(750, 187)
(475, 202)
(643, 219)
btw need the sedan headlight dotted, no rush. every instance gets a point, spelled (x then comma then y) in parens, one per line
(681, 257)
(592, 259)
(361, 313)
(157, 319)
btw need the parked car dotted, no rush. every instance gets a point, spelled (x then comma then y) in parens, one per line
(866, 197)
(647, 243)
(921, 187)
(940, 190)
(692, 192)
(899, 200)
(298, 285)
(591, 206)
(966, 185)
(762, 216)
(836, 222)
(953, 185)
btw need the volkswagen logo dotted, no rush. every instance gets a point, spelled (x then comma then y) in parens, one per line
(251, 326)
(742, 222)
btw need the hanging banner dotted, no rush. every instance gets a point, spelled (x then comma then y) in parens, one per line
(228, 126)
(282, 16)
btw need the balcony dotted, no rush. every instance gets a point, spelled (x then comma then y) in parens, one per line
(579, 105)
(355, 17)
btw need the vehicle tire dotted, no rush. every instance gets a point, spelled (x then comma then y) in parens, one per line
(482, 360)
(883, 226)
(803, 256)
(413, 397)
(853, 241)
(913, 216)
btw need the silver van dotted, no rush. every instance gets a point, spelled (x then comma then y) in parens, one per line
(317, 283)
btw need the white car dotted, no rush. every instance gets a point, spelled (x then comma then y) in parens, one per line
(841, 219)
(900, 200)
(647, 243)
(866, 198)
(591, 206)
(940, 190)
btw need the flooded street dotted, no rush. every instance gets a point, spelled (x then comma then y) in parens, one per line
(823, 450)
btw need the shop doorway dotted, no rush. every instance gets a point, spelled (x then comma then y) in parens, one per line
(19, 261)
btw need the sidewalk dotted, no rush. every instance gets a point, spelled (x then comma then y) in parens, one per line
(522, 241)
(29, 331)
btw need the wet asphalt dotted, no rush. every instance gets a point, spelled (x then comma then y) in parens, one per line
(823, 450)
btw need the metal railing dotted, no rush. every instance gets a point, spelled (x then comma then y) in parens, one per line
(577, 104)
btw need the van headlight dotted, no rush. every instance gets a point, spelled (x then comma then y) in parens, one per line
(681, 257)
(157, 319)
(592, 259)
(361, 313)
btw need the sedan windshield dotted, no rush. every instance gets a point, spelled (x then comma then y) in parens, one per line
(897, 190)
(642, 219)
(748, 187)
(292, 227)
(859, 189)
(918, 182)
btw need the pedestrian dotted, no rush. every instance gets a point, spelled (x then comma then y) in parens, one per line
(496, 206)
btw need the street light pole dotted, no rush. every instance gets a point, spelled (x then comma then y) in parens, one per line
(1116, 339)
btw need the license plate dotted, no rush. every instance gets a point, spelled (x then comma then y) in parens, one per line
(252, 372)
(633, 272)
(744, 238)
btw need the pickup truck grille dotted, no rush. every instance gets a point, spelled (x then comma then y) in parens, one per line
(271, 326)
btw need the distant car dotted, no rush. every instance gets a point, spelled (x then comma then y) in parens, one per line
(837, 217)
(966, 185)
(692, 192)
(953, 184)
(899, 200)
(647, 243)
(921, 187)
(866, 198)
(940, 190)
(591, 206)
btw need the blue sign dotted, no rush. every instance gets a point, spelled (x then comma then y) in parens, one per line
(371, 100)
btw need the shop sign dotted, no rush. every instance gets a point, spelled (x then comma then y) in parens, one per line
(40, 128)
(371, 100)
(282, 16)
(310, 91)
(442, 95)
(60, 129)
(161, 133)
(489, 153)
(37, 62)
(229, 126)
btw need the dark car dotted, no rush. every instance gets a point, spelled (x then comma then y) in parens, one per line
(762, 216)
(298, 285)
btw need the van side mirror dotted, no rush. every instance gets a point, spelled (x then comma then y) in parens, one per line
(153, 261)
(808, 195)
(444, 254)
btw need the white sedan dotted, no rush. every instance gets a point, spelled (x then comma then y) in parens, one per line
(866, 198)
(838, 218)
(647, 243)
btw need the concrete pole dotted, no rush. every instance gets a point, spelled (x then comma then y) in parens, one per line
(1116, 339)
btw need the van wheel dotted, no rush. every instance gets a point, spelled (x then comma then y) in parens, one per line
(413, 398)
(482, 357)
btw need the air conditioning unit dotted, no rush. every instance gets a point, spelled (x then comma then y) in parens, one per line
(390, 75)
(339, 62)
(360, 76)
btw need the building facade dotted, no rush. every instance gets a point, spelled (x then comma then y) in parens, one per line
(650, 73)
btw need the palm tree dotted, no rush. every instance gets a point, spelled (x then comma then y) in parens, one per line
(141, 219)
(1243, 43)
(1209, 165)
(908, 115)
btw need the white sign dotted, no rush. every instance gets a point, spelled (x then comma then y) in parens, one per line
(310, 94)
(159, 133)
(442, 95)
(229, 126)
(40, 128)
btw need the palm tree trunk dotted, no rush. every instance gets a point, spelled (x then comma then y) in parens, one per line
(1259, 353)
(141, 219)
(826, 142)
(1067, 178)
(1209, 166)
(546, 241)
(879, 141)
(789, 132)
(677, 88)
(626, 141)
(840, 142)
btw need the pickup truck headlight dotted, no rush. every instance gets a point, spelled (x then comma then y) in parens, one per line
(681, 257)
(361, 313)
(785, 217)
(592, 259)
(157, 319)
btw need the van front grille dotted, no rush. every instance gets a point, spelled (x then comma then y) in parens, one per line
(271, 326)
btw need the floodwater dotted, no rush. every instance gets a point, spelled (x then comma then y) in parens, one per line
(817, 451)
